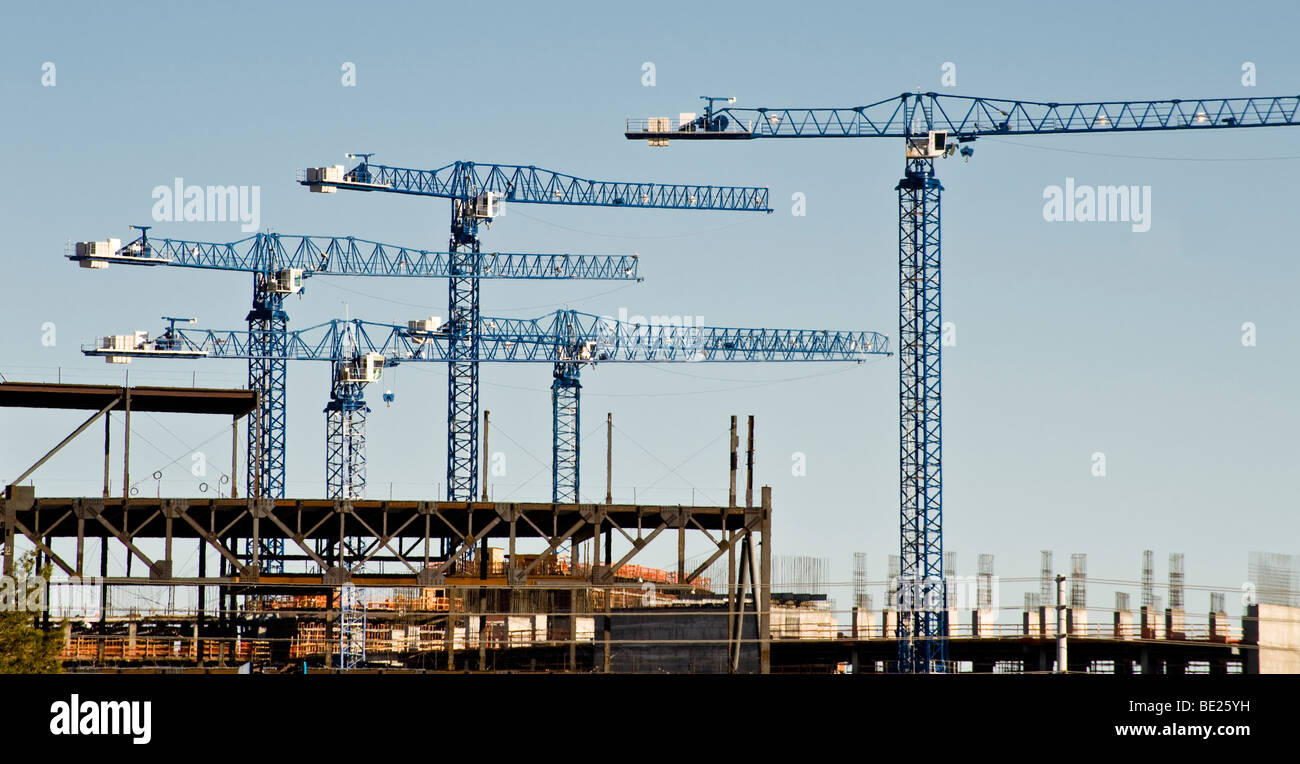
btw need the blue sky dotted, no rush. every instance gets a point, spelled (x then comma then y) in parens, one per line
(1072, 338)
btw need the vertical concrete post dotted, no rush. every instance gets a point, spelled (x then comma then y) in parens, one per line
(81, 546)
(749, 466)
(126, 455)
(329, 630)
(7, 515)
(450, 632)
(735, 447)
(511, 564)
(482, 603)
(1062, 662)
(573, 629)
(608, 627)
(203, 598)
(732, 618)
(609, 458)
(234, 457)
(765, 590)
(595, 550)
(107, 431)
(681, 547)
(731, 584)
(167, 546)
(487, 455)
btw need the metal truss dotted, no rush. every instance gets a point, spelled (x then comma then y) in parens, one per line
(533, 185)
(403, 533)
(350, 256)
(551, 338)
(967, 117)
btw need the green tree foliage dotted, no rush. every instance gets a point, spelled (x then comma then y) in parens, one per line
(25, 648)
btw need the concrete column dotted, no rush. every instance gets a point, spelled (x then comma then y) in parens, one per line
(765, 588)
(1175, 624)
(1062, 662)
(1123, 624)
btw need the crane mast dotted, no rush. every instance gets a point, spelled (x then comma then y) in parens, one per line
(935, 126)
(477, 191)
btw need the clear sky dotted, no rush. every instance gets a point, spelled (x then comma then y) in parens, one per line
(1072, 338)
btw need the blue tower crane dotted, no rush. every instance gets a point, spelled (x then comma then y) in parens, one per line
(280, 264)
(477, 191)
(934, 126)
(566, 338)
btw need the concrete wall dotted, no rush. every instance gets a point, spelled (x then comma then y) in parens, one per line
(1175, 624)
(677, 641)
(868, 624)
(983, 622)
(1276, 630)
(803, 623)
(1152, 624)
(1076, 622)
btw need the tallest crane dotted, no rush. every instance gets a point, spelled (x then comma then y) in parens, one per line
(935, 126)
(478, 192)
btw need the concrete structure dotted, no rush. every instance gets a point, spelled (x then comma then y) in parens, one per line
(1274, 630)
(1124, 628)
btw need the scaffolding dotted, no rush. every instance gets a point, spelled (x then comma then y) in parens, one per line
(861, 598)
(800, 573)
(352, 628)
(1148, 578)
(984, 583)
(949, 573)
(1079, 581)
(1046, 579)
(1176, 600)
(1275, 578)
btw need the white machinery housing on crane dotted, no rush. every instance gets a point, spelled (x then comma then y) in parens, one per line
(320, 177)
(932, 145)
(122, 342)
(95, 254)
(659, 125)
(98, 254)
(423, 329)
(121, 348)
(286, 281)
(364, 369)
(488, 205)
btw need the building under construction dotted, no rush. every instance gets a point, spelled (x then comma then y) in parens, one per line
(446, 586)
